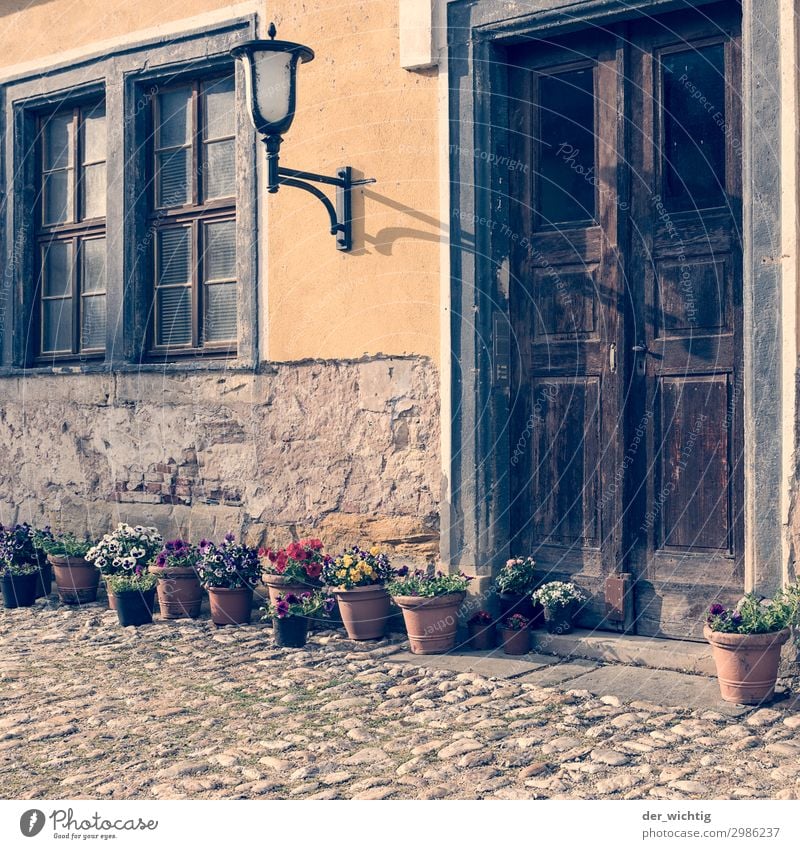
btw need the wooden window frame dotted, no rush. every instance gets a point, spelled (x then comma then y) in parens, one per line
(74, 233)
(197, 213)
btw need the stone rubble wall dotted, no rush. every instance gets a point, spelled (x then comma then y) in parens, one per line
(344, 450)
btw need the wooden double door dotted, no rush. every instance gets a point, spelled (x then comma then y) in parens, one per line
(625, 297)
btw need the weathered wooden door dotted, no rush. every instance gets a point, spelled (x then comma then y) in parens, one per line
(684, 269)
(565, 296)
(625, 295)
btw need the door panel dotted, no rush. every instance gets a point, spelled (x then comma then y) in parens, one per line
(684, 277)
(564, 296)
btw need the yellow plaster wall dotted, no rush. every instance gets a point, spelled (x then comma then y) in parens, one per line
(356, 106)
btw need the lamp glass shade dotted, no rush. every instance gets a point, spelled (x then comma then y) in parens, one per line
(271, 82)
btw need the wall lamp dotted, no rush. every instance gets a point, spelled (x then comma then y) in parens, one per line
(270, 69)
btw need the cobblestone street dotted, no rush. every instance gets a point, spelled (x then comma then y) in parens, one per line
(182, 710)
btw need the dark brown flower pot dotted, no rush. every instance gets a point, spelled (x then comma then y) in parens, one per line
(279, 585)
(481, 637)
(559, 619)
(230, 606)
(179, 592)
(364, 611)
(44, 579)
(516, 642)
(290, 632)
(76, 579)
(19, 590)
(135, 607)
(431, 622)
(511, 603)
(747, 664)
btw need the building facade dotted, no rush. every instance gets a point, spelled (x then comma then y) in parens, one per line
(567, 326)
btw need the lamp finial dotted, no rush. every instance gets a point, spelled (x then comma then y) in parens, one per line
(272, 31)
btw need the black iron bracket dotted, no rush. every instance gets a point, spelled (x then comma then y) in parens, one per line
(340, 213)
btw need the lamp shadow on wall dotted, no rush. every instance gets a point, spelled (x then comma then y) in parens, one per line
(383, 241)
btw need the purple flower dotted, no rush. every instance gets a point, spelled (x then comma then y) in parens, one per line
(716, 610)
(229, 537)
(736, 618)
(282, 609)
(328, 604)
(291, 598)
(402, 571)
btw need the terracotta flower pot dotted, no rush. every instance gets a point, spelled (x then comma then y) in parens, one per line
(364, 611)
(559, 619)
(280, 585)
(76, 579)
(516, 642)
(290, 632)
(19, 590)
(135, 607)
(179, 592)
(230, 606)
(482, 637)
(747, 664)
(110, 598)
(44, 580)
(431, 622)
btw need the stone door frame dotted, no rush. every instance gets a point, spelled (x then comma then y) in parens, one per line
(475, 516)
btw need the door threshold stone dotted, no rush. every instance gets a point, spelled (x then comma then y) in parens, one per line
(629, 649)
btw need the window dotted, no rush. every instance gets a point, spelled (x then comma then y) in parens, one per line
(193, 217)
(566, 149)
(694, 128)
(71, 233)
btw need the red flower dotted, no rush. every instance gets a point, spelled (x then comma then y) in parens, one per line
(313, 570)
(313, 544)
(280, 561)
(296, 551)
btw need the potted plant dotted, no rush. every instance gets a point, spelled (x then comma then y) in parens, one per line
(179, 590)
(514, 584)
(134, 593)
(76, 579)
(357, 578)
(294, 569)
(430, 604)
(481, 631)
(123, 551)
(229, 572)
(290, 615)
(22, 564)
(22, 547)
(516, 636)
(559, 600)
(746, 644)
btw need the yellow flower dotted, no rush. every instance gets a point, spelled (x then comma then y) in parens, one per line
(347, 560)
(361, 565)
(341, 573)
(375, 551)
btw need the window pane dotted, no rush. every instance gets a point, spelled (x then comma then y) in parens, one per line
(220, 252)
(694, 128)
(57, 331)
(58, 197)
(94, 191)
(94, 265)
(94, 134)
(58, 269)
(219, 109)
(93, 322)
(174, 177)
(174, 317)
(174, 256)
(220, 170)
(566, 147)
(220, 317)
(58, 141)
(174, 126)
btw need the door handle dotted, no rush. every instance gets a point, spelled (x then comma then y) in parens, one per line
(640, 349)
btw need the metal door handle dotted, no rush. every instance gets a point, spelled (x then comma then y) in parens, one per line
(640, 349)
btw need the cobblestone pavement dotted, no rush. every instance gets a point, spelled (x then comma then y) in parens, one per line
(183, 710)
